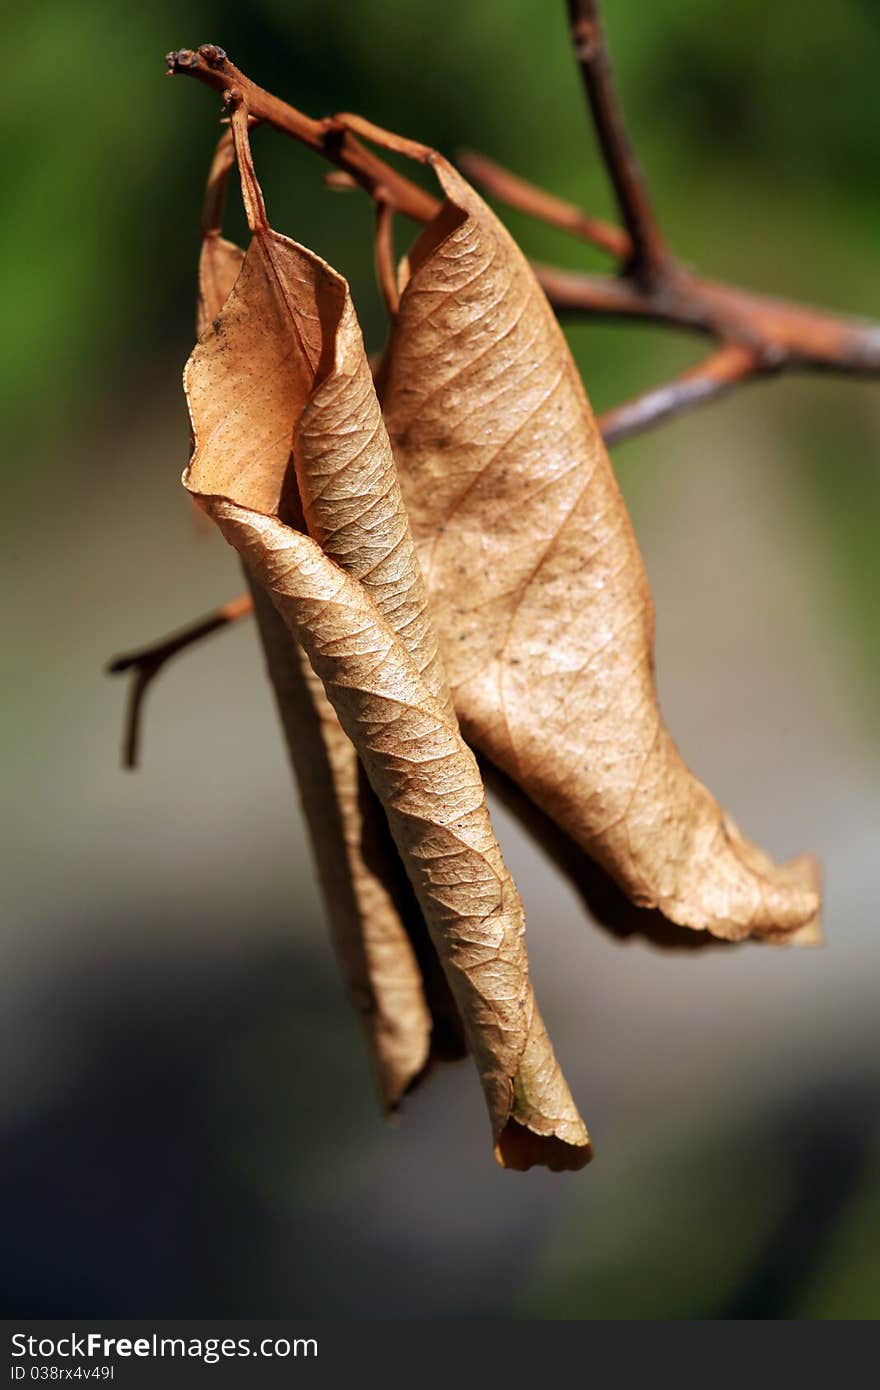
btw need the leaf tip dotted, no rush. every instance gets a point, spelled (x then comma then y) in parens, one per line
(521, 1148)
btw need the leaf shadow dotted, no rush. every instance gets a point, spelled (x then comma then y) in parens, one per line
(608, 907)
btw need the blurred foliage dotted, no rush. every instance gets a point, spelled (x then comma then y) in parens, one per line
(757, 125)
(776, 1217)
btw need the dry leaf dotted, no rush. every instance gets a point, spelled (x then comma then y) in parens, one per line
(430, 786)
(537, 585)
(367, 898)
(387, 964)
(284, 366)
(290, 425)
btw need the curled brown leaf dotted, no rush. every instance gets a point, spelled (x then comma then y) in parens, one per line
(399, 992)
(537, 585)
(366, 895)
(284, 411)
(430, 786)
(290, 425)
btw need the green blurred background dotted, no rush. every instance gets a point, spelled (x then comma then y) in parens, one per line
(188, 1125)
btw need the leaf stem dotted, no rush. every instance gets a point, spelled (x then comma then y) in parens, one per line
(211, 66)
(386, 271)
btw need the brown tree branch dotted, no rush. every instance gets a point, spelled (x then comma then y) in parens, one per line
(756, 334)
(147, 662)
(652, 285)
(784, 334)
(648, 255)
(711, 378)
(211, 66)
(517, 193)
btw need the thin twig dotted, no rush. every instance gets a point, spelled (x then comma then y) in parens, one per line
(214, 204)
(756, 334)
(652, 285)
(648, 255)
(711, 378)
(517, 193)
(147, 662)
(211, 66)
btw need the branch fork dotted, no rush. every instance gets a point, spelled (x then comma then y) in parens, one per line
(754, 335)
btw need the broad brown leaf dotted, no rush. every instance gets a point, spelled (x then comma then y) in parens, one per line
(537, 585)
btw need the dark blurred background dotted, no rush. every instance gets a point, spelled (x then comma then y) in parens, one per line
(187, 1116)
